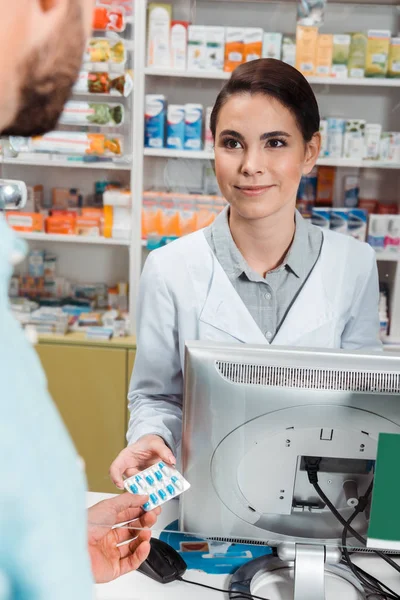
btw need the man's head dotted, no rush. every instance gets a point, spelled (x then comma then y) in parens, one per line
(41, 47)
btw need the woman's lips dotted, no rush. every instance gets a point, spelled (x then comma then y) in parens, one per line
(253, 190)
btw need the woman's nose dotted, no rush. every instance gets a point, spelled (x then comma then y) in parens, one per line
(253, 163)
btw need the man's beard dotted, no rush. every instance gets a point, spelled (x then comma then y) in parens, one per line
(48, 78)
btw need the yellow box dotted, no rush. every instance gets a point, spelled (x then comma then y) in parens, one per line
(306, 49)
(394, 58)
(378, 46)
(324, 55)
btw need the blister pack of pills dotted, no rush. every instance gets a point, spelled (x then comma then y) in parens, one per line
(160, 482)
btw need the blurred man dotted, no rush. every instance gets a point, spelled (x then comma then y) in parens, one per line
(44, 533)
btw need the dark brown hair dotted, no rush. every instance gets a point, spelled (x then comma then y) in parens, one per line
(275, 79)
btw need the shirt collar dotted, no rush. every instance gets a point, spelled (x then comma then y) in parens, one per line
(233, 262)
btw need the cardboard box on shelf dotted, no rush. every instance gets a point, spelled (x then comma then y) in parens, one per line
(324, 55)
(377, 53)
(341, 52)
(158, 35)
(234, 48)
(306, 49)
(25, 221)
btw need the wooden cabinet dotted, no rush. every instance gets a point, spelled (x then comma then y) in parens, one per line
(89, 385)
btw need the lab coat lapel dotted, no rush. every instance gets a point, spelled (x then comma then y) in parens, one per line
(311, 311)
(225, 311)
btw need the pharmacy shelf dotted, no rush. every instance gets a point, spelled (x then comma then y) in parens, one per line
(352, 81)
(388, 256)
(71, 164)
(326, 162)
(72, 239)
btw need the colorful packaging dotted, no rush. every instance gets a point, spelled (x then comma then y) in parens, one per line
(193, 126)
(357, 224)
(176, 126)
(88, 226)
(25, 221)
(306, 49)
(369, 205)
(325, 186)
(160, 482)
(253, 43)
(351, 191)
(197, 43)
(394, 58)
(234, 48)
(75, 142)
(208, 138)
(341, 52)
(178, 44)
(95, 82)
(394, 153)
(104, 50)
(324, 55)
(215, 48)
(378, 46)
(36, 263)
(323, 130)
(357, 55)
(336, 129)
(354, 140)
(288, 50)
(50, 265)
(92, 113)
(61, 224)
(272, 46)
(392, 238)
(106, 18)
(377, 231)
(155, 107)
(158, 35)
(66, 198)
(321, 217)
(340, 220)
(373, 133)
(307, 193)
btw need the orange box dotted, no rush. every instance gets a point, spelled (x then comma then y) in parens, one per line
(324, 55)
(234, 48)
(253, 43)
(25, 221)
(325, 186)
(306, 49)
(63, 224)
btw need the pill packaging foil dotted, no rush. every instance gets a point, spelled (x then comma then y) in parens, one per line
(160, 482)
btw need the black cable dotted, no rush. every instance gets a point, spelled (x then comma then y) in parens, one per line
(312, 468)
(232, 593)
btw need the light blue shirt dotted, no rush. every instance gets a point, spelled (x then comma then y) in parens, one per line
(43, 521)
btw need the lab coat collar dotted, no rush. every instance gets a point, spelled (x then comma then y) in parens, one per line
(225, 311)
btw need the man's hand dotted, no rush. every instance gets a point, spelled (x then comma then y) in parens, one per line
(108, 560)
(139, 456)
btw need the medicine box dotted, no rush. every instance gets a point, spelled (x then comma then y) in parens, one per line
(394, 58)
(196, 51)
(306, 49)
(357, 55)
(253, 43)
(324, 55)
(354, 140)
(176, 126)
(158, 35)
(178, 44)
(193, 126)
(378, 46)
(341, 52)
(234, 48)
(155, 113)
(215, 48)
(272, 47)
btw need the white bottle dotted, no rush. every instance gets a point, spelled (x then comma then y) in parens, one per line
(383, 316)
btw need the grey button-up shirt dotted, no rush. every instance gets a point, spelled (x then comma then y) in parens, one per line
(267, 299)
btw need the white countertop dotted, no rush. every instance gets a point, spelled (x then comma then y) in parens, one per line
(136, 586)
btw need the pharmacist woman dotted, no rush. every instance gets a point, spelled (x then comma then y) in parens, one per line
(260, 274)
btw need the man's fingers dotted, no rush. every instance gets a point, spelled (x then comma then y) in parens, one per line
(127, 502)
(139, 551)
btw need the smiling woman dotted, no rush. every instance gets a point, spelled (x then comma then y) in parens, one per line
(260, 273)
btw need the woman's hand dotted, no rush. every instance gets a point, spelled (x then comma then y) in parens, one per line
(109, 560)
(148, 450)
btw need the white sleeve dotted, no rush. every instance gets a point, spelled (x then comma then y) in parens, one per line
(156, 388)
(362, 328)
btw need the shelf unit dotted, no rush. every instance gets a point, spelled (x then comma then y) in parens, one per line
(73, 239)
(358, 98)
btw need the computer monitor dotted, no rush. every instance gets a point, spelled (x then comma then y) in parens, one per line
(252, 414)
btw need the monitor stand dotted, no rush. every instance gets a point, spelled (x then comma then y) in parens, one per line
(310, 563)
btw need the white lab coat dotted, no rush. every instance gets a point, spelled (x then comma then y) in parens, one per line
(186, 295)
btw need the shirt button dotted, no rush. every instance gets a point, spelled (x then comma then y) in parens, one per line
(268, 335)
(268, 296)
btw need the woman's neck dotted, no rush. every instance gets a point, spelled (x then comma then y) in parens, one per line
(263, 243)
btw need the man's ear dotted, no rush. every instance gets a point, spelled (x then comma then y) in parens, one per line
(313, 149)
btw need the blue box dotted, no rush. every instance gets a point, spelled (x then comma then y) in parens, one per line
(340, 220)
(176, 126)
(321, 217)
(193, 127)
(154, 124)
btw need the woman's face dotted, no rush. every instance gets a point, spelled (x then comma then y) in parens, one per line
(260, 155)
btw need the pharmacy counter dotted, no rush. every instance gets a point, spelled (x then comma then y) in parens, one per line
(89, 380)
(136, 586)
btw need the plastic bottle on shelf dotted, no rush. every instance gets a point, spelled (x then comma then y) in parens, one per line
(383, 316)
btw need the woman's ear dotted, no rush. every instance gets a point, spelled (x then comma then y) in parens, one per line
(313, 148)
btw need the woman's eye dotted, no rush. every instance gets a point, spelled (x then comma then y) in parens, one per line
(231, 144)
(276, 143)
